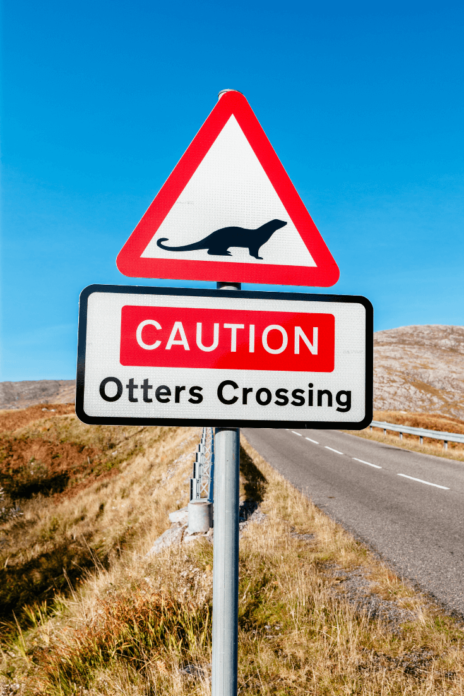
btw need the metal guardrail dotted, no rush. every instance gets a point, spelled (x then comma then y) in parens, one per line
(202, 481)
(420, 432)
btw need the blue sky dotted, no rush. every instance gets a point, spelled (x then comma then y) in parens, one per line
(363, 103)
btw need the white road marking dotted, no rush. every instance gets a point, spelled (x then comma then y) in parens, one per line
(295, 433)
(308, 438)
(426, 482)
(376, 466)
(332, 450)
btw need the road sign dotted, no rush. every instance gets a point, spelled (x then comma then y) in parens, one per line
(229, 212)
(170, 356)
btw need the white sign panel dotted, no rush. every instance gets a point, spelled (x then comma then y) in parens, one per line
(197, 357)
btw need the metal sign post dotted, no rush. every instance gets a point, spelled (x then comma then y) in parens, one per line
(226, 555)
(225, 566)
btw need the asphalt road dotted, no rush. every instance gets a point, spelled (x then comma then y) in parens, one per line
(385, 497)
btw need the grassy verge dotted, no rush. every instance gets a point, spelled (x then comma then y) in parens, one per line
(142, 625)
(411, 442)
(52, 535)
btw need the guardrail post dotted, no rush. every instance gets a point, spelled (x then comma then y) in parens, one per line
(211, 471)
(200, 509)
(421, 433)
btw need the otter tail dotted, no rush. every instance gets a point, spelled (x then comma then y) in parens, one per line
(187, 247)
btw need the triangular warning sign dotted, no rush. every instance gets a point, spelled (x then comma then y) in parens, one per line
(229, 212)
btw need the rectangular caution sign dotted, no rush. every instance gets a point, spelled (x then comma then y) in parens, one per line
(165, 356)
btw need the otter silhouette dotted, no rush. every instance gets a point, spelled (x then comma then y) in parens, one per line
(218, 242)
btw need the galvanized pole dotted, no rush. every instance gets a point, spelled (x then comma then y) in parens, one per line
(225, 566)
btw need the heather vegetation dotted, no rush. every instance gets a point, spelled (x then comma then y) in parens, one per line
(90, 611)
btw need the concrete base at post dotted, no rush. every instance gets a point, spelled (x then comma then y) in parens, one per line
(200, 516)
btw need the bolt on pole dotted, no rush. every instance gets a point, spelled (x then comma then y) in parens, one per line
(226, 553)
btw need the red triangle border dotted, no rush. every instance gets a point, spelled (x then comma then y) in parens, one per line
(131, 263)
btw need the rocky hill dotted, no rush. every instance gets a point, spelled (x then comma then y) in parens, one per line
(416, 368)
(421, 369)
(43, 391)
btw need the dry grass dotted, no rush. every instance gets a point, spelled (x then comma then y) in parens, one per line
(142, 625)
(434, 421)
(100, 509)
(324, 645)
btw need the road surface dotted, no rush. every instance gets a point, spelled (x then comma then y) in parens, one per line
(408, 507)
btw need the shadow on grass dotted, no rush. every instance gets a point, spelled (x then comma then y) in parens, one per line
(255, 483)
(40, 578)
(24, 484)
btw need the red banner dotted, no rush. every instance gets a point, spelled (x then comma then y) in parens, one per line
(227, 339)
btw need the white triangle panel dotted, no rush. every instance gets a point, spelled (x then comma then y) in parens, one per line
(229, 189)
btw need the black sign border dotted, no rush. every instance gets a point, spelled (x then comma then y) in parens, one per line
(219, 422)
